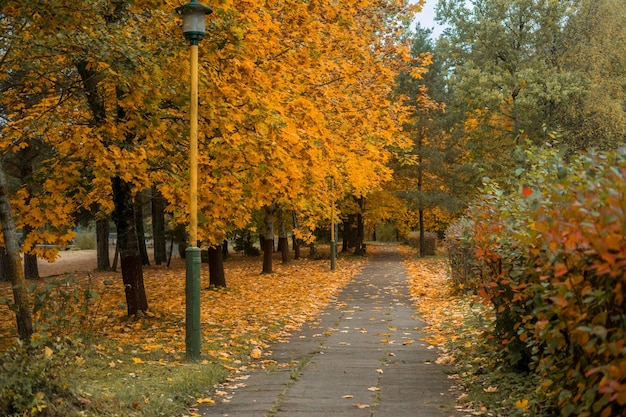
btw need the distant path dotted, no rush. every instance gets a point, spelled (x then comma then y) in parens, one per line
(362, 358)
(70, 261)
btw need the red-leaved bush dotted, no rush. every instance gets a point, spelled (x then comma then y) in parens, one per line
(549, 254)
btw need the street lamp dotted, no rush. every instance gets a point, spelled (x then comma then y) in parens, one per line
(333, 242)
(194, 21)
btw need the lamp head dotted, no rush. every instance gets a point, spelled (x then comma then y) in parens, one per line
(194, 20)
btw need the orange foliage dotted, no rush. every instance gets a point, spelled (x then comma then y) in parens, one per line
(254, 310)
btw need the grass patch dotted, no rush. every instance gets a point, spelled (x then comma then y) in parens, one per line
(149, 385)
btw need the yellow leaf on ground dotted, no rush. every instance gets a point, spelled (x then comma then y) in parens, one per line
(256, 353)
(137, 360)
(205, 401)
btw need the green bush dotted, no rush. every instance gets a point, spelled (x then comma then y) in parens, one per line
(31, 380)
(85, 240)
(461, 255)
(549, 254)
(430, 242)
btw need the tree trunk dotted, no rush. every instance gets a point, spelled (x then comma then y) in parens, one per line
(345, 236)
(358, 247)
(158, 226)
(31, 269)
(130, 258)
(16, 273)
(225, 253)
(102, 244)
(296, 242)
(217, 277)
(141, 232)
(283, 241)
(420, 198)
(268, 241)
(4, 265)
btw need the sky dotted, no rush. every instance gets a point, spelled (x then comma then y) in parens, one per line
(427, 18)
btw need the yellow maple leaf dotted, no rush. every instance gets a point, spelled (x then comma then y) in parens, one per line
(522, 404)
(137, 360)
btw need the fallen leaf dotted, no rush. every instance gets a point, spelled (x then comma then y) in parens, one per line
(357, 405)
(490, 389)
(137, 360)
(348, 396)
(256, 353)
(373, 389)
(522, 404)
(205, 401)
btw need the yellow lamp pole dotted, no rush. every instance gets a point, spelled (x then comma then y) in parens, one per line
(193, 150)
(194, 21)
(333, 243)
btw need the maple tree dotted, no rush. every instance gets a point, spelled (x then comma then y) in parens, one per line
(291, 94)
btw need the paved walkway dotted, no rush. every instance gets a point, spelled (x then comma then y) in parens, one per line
(362, 358)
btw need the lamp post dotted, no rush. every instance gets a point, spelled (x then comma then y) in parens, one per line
(194, 21)
(333, 242)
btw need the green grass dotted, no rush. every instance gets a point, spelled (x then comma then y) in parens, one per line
(153, 384)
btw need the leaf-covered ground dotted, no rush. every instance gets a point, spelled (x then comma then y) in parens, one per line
(458, 326)
(137, 367)
(238, 325)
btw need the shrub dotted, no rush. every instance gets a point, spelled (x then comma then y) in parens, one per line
(549, 255)
(430, 242)
(461, 255)
(85, 240)
(31, 380)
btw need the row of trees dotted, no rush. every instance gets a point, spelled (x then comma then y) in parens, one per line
(303, 106)
(296, 113)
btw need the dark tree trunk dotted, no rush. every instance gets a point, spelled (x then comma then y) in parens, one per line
(4, 265)
(225, 253)
(358, 247)
(141, 232)
(25, 158)
(345, 235)
(31, 269)
(268, 242)
(283, 241)
(102, 244)
(268, 251)
(130, 258)
(23, 316)
(158, 226)
(217, 277)
(420, 199)
(296, 242)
